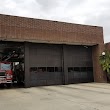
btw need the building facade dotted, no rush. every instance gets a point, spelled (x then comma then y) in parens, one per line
(107, 46)
(55, 52)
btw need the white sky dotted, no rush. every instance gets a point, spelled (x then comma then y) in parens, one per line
(89, 12)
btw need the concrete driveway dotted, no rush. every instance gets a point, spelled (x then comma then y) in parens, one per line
(88, 96)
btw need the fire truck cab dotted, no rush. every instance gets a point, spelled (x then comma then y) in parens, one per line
(6, 74)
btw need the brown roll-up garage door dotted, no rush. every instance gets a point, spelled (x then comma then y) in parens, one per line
(78, 61)
(45, 64)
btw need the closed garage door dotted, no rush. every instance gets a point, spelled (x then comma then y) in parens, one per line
(45, 64)
(78, 60)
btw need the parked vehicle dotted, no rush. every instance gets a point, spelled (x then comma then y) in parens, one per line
(6, 74)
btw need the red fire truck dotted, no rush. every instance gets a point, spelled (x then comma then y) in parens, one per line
(6, 74)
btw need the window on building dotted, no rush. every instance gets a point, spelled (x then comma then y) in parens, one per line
(41, 69)
(50, 69)
(83, 69)
(33, 69)
(70, 69)
(58, 69)
(77, 69)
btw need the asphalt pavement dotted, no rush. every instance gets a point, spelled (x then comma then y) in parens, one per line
(86, 96)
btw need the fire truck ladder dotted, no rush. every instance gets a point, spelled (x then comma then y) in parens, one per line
(9, 56)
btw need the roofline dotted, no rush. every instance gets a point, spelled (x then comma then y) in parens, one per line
(51, 20)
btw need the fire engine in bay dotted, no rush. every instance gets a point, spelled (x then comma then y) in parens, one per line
(6, 73)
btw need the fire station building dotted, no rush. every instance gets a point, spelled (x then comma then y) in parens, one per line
(52, 52)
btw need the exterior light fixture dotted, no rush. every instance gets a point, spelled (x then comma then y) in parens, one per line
(103, 53)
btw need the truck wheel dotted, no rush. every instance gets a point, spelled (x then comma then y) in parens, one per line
(2, 85)
(8, 85)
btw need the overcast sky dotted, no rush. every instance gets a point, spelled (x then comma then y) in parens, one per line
(89, 12)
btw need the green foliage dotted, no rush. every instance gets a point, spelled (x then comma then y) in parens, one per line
(105, 61)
